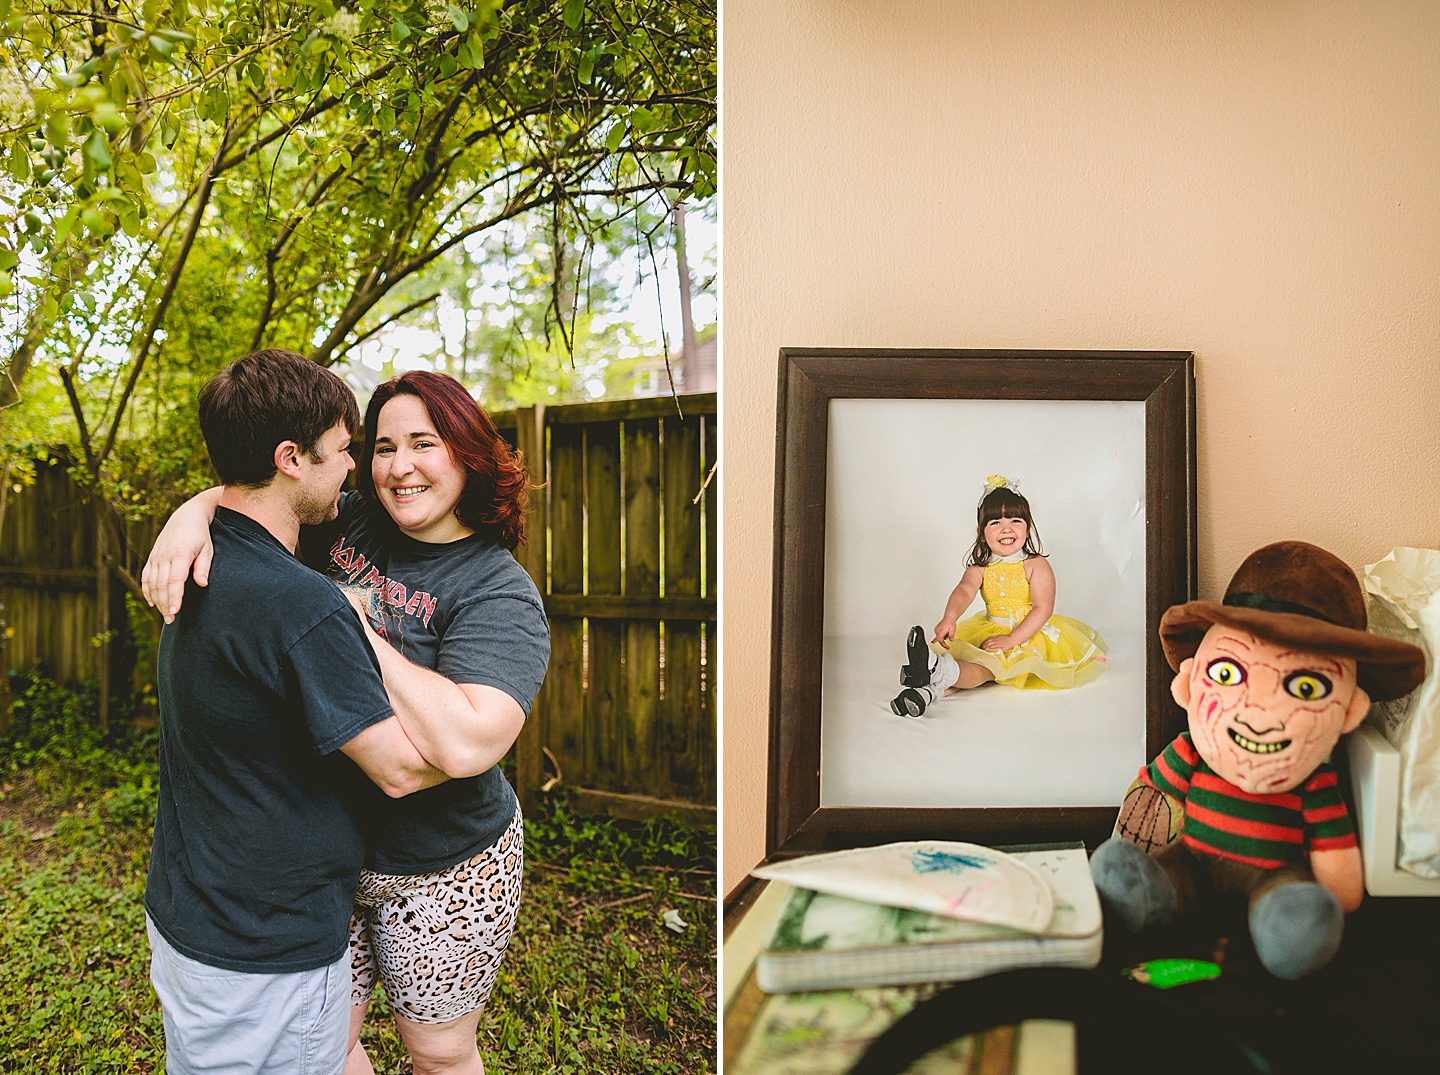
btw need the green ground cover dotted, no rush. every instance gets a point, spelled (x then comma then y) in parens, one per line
(594, 981)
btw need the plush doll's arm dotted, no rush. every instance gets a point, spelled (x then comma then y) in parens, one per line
(1341, 873)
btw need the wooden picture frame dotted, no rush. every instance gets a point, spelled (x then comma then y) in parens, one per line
(809, 380)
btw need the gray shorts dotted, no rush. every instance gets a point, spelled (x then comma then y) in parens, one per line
(250, 1024)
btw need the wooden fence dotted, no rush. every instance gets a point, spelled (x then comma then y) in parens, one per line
(60, 604)
(622, 536)
(628, 571)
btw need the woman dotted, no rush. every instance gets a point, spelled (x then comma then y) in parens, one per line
(425, 551)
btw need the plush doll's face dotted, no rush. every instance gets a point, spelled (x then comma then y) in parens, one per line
(1265, 715)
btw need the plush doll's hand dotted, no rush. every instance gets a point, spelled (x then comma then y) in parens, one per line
(996, 644)
(1341, 872)
(1148, 817)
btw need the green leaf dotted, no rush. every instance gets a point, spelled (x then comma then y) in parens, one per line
(399, 32)
(19, 162)
(33, 223)
(615, 137)
(163, 50)
(98, 150)
(5, 285)
(574, 11)
(66, 226)
(587, 69)
(57, 129)
(119, 88)
(145, 163)
(643, 119)
(93, 219)
(127, 175)
(458, 18)
(8, 259)
(108, 118)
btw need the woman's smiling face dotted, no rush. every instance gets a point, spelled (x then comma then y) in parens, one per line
(416, 479)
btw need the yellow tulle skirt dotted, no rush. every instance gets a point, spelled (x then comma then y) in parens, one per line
(1064, 653)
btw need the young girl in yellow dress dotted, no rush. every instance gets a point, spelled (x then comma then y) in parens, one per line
(1017, 639)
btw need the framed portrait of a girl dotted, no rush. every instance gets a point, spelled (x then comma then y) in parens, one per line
(973, 551)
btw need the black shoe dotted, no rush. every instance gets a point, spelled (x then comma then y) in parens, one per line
(908, 703)
(915, 672)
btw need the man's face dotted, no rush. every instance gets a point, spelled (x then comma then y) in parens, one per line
(323, 476)
(1265, 715)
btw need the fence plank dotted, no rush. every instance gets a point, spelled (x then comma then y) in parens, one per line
(680, 712)
(626, 607)
(706, 790)
(48, 551)
(641, 757)
(564, 729)
(529, 437)
(605, 728)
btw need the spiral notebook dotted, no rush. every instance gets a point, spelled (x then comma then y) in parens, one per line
(823, 941)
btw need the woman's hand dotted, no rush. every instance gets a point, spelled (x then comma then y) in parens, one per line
(363, 601)
(944, 632)
(359, 602)
(183, 547)
(997, 643)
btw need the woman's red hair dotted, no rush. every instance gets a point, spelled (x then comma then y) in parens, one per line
(496, 487)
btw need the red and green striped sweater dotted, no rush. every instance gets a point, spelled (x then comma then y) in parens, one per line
(1263, 830)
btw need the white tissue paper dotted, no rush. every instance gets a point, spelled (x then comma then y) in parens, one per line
(1404, 602)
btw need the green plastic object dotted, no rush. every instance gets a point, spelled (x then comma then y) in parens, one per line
(1168, 973)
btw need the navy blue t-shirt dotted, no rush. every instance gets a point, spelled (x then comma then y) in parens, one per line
(264, 674)
(465, 609)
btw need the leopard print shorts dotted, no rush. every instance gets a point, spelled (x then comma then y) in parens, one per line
(436, 940)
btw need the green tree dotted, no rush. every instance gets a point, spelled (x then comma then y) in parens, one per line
(184, 179)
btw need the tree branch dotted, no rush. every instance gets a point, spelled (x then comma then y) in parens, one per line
(358, 340)
(177, 266)
(69, 381)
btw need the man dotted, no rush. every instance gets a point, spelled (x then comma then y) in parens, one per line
(265, 678)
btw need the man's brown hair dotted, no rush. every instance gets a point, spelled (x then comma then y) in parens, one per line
(265, 398)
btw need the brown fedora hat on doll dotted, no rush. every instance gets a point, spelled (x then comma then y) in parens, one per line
(1296, 593)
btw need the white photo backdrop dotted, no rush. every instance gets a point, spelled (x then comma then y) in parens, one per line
(904, 478)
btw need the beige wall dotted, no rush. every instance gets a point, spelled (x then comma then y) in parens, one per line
(1256, 181)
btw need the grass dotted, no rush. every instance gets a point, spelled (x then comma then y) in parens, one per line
(594, 981)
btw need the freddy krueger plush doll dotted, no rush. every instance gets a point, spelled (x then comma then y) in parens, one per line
(1270, 680)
